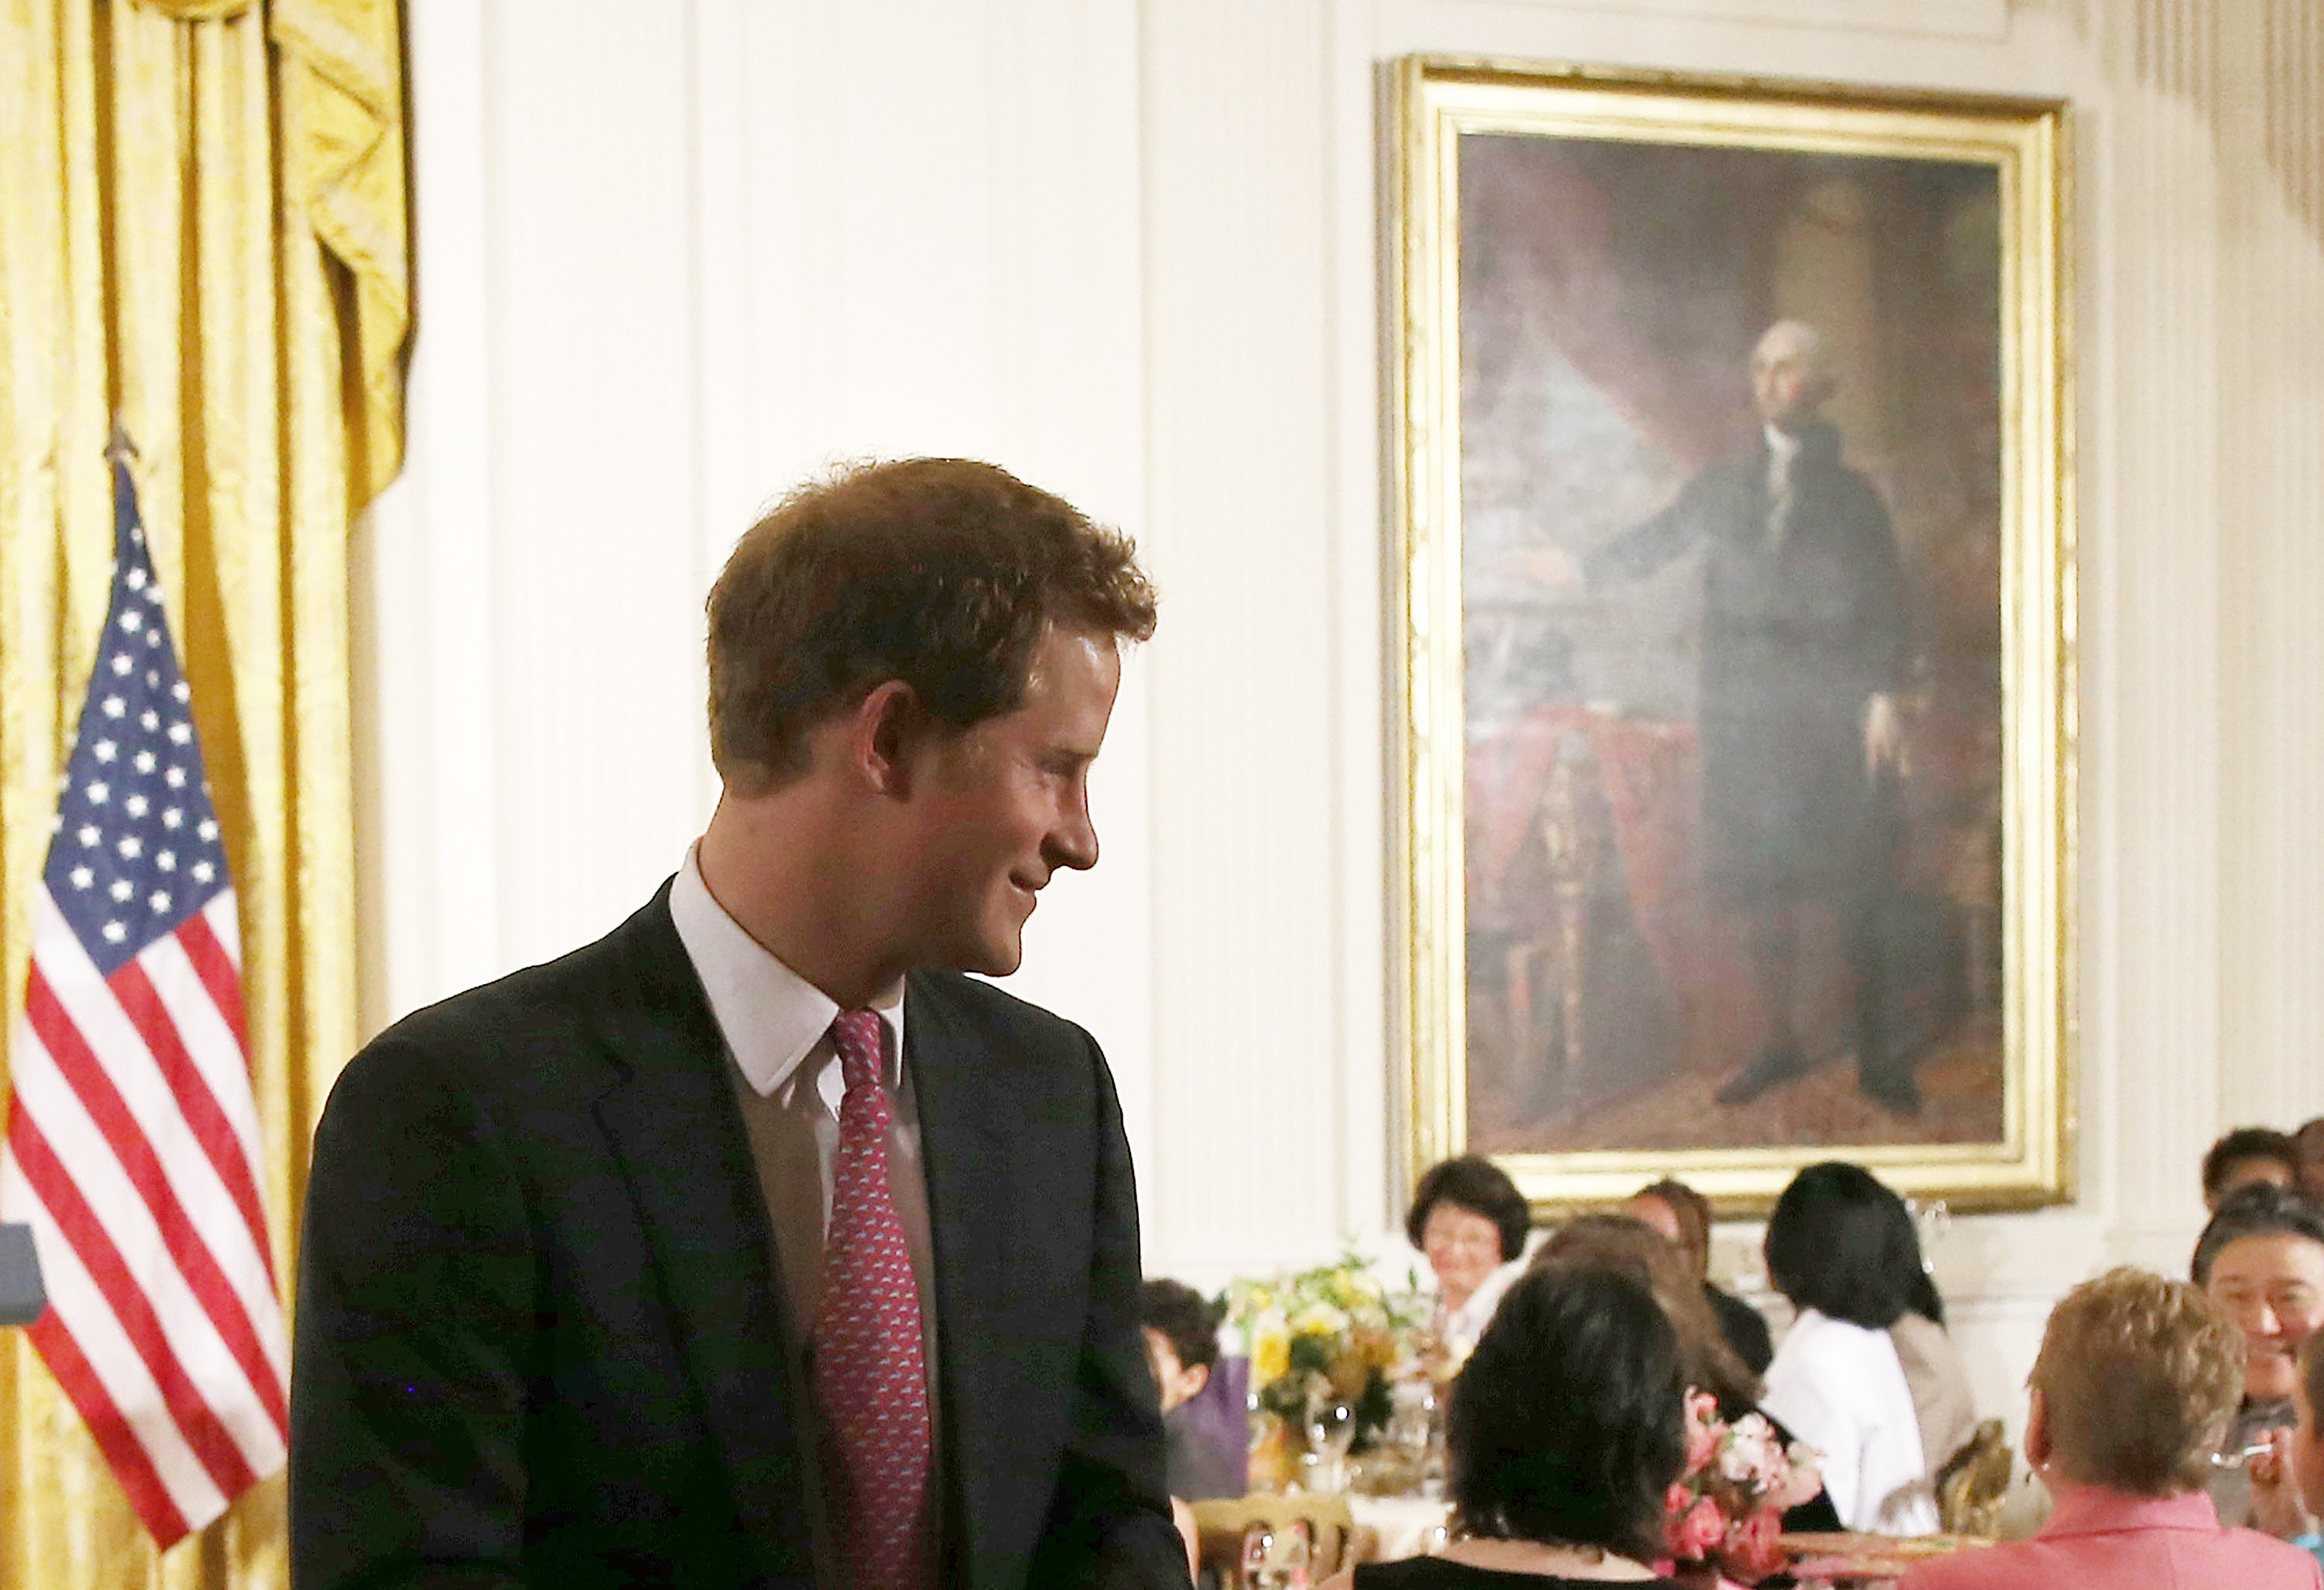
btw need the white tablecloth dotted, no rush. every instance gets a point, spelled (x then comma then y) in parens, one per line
(1408, 1526)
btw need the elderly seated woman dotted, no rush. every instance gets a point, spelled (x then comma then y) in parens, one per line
(1469, 1220)
(2136, 1381)
(1566, 1428)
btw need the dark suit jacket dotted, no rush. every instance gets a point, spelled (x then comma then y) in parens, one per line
(541, 1340)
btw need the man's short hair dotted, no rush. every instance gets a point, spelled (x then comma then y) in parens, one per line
(1185, 1318)
(943, 573)
(2139, 1375)
(1470, 1181)
(2261, 1209)
(2249, 1142)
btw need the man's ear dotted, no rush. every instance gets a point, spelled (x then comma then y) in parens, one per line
(1198, 1377)
(882, 733)
(2037, 1427)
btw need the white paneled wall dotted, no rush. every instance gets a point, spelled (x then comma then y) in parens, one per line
(675, 257)
(1249, 812)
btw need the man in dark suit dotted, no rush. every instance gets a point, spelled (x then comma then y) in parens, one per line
(1803, 652)
(754, 1245)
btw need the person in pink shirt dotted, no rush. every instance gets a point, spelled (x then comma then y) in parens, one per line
(2135, 1383)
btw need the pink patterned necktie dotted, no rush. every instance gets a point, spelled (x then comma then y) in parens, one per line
(868, 1369)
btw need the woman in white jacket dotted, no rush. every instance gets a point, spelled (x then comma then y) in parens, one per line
(1842, 1247)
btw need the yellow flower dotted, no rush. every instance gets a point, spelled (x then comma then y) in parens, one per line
(1270, 1354)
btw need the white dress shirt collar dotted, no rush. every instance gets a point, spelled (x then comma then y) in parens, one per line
(771, 1017)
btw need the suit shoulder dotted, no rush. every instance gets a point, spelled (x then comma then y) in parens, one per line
(530, 1018)
(534, 996)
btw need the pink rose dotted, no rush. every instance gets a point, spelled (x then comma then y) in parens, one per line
(1700, 1532)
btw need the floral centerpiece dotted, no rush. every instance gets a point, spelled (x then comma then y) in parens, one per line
(1722, 1517)
(1327, 1338)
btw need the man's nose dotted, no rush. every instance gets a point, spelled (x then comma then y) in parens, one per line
(1072, 842)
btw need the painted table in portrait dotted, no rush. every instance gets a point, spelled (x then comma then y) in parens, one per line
(1735, 665)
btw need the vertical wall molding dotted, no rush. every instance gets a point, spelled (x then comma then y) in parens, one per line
(2271, 491)
(1238, 280)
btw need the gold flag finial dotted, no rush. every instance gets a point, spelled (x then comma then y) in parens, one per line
(118, 448)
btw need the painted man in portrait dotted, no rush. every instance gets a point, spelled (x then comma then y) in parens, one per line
(1803, 648)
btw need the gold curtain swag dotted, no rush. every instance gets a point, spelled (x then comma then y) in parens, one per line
(203, 227)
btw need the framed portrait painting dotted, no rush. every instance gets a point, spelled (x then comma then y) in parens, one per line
(1735, 604)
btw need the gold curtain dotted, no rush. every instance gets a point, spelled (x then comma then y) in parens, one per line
(203, 228)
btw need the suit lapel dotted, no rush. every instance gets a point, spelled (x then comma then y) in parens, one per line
(965, 1138)
(673, 1124)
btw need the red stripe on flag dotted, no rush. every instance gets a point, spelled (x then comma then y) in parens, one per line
(119, 1443)
(197, 1421)
(196, 1102)
(218, 973)
(195, 1261)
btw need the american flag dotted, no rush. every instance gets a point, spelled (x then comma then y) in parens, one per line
(133, 1136)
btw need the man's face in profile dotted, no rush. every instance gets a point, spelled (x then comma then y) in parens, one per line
(1786, 385)
(1004, 804)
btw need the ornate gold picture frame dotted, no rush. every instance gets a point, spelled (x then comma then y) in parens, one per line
(1735, 630)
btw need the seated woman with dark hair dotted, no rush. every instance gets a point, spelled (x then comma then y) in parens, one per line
(2135, 1381)
(1842, 1248)
(1469, 1221)
(1633, 1248)
(1567, 1427)
(2262, 1259)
